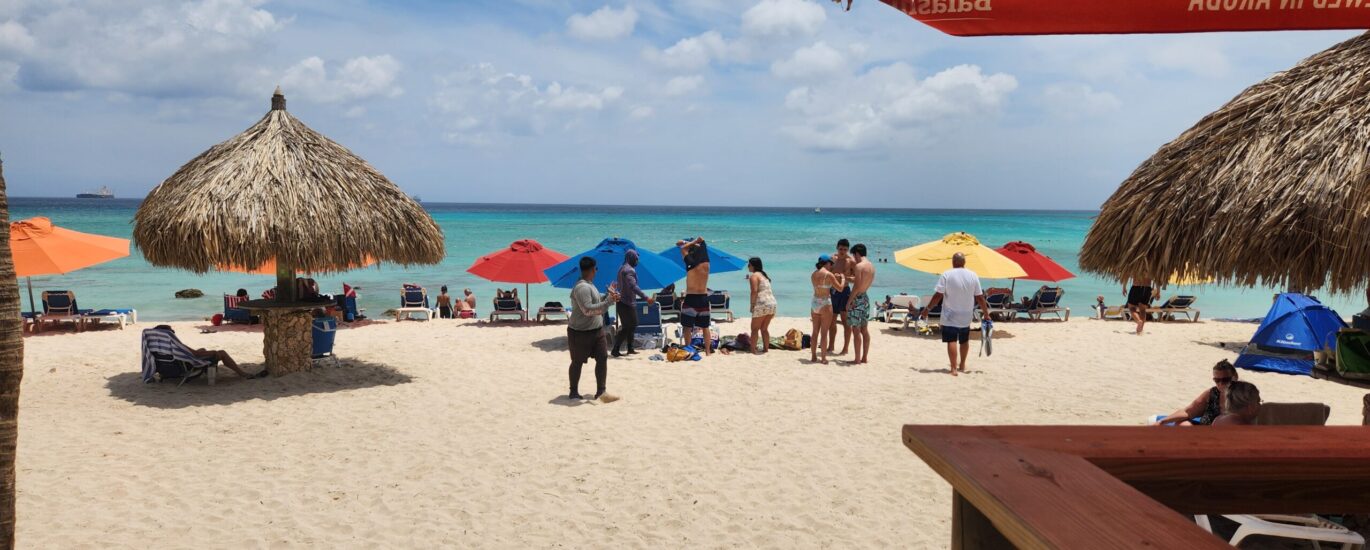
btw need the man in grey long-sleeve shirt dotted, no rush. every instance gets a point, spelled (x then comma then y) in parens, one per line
(628, 295)
(584, 335)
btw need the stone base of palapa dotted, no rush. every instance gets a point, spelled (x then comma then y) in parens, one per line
(288, 340)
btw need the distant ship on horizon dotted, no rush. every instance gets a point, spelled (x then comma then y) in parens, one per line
(101, 193)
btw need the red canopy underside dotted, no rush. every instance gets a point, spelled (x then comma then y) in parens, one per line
(1015, 17)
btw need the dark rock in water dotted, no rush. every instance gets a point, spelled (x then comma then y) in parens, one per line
(388, 313)
(189, 293)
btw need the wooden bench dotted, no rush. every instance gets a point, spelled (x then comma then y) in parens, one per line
(1135, 487)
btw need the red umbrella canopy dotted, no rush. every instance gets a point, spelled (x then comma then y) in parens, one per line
(1039, 267)
(1001, 17)
(521, 262)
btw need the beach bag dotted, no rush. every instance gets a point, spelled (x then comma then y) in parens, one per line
(794, 340)
(646, 341)
(677, 354)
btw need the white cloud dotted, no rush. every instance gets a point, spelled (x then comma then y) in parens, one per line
(642, 112)
(1075, 100)
(15, 38)
(682, 85)
(604, 23)
(359, 78)
(482, 106)
(874, 108)
(817, 61)
(1198, 56)
(9, 72)
(693, 53)
(783, 18)
(155, 47)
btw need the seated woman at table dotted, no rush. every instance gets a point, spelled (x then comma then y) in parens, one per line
(1241, 406)
(1208, 406)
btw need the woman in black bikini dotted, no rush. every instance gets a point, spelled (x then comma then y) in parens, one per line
(1209, 404)
(1138, 298)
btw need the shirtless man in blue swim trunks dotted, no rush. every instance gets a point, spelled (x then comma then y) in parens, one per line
(842, 265)
(694, 309)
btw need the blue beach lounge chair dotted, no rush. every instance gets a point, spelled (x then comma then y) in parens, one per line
(325, 332)
(1046, 300)
(720, 303)
(1177, 305)
(552, 310)
(505, 308)
(233, 313)
(165, 357)
(670, 304)
(59, 306)
(649, 325)
(414, 300)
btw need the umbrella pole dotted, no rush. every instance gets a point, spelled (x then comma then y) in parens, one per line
(32, 309)
(285, 283)
(527, 296)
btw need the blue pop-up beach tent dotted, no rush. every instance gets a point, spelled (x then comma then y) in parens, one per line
(1295, 327)
(653, 271)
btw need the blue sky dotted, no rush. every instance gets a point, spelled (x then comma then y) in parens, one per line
(698, 102)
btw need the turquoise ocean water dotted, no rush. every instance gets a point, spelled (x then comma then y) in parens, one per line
(788, 240)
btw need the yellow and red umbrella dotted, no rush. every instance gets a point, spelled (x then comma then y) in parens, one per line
(935, 257)
(40, 248)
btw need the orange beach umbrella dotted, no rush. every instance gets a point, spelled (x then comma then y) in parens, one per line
(1016, 17)
(40, 248)
(269, 267)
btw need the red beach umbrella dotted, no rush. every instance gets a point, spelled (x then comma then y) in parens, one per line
(1039, 267)
(521, 262)
(1015, 17)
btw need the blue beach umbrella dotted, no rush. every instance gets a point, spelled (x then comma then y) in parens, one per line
(653, 271)
(719, 261)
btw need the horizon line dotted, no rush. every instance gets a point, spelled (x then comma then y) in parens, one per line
(717, 207)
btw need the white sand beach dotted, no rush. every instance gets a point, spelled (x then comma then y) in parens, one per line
(450, 433)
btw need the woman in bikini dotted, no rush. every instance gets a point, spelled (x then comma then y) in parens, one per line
(820, 307)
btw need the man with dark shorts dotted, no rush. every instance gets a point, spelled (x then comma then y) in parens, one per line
(958, 290)
(841, 265)
(584, 332)
(694, 309)
(1139, 296)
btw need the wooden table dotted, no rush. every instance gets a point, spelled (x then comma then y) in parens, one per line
(1136, 487)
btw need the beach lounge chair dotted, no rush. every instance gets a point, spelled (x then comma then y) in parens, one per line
(551, 310)
(59, 306)
(1111, 312)
(1000, 302)
(325, 332)
(670, 304)
(1176, 305)
(165, 357)
(650, 331)
(720, 303)
(233, 313)
(506, 308)
(414, 300)
(900, 306)
(1046, 300)
(348, 305)
(1303, 527)
(31, 320)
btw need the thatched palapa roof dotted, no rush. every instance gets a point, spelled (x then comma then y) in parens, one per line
(282, 191)
(1271, 189)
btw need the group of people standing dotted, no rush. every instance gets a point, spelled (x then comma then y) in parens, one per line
(841, 282)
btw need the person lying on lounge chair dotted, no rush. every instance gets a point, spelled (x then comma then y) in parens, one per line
(1208, 406)
(219, 354)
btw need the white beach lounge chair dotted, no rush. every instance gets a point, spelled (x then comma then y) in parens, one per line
(900, 306)
(1303, 527)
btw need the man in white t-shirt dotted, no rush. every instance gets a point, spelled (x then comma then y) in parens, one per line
(958, 290)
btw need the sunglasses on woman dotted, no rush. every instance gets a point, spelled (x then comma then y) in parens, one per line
(1222, 380)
